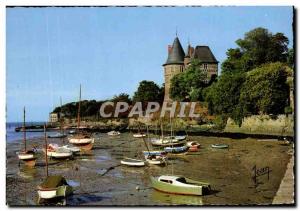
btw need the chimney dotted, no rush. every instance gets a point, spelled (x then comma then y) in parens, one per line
(169, 49)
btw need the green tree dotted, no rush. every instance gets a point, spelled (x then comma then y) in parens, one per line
(259, 46)
(189, 84)
(223, 96)
(265, 90)
(148, 91)
(123, 97)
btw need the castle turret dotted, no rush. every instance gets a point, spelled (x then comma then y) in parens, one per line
(173, 65)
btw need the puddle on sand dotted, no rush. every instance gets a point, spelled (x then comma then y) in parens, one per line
(175, 199)
(73, 183)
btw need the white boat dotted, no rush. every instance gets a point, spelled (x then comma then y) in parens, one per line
(28, 155)
(179, 185)
(57, 135)
(193, 144)
(154, 152)
(113, 133)
(79, 139)
(139, 135)
(155, 159)
(72, 131)
(54, 151)
(72, 148)
(219, 146)
(179, 138)
(53, 187)
(133, 162)
(165, 142)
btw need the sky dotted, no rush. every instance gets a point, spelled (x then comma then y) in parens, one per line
(109, 50)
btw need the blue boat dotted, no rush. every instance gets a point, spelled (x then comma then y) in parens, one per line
(159, 153)
(176, 149)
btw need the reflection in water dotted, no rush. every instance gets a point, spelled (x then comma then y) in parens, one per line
(175, 199)
(73, 183)
(27, 172)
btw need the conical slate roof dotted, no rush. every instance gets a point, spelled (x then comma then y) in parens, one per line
(176, 56)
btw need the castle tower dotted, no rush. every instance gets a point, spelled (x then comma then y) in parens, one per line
(173, 65)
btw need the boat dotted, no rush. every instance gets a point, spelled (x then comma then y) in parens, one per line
(53, 186)
(72, 132)
(166, 142)
(57, 135)
(179, 138)
(193, 146)
(139, 135)
(133, 162)
(156, 159)
(180, 185)
(26, 156)
(81, 139)
(176, 149)
(54, 151)
(73, 149)
(113, 133)
(155, 152)
(219, 146)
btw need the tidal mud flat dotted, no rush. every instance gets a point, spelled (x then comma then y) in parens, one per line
(99, 179)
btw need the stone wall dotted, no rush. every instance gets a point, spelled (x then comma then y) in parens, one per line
(263, 124)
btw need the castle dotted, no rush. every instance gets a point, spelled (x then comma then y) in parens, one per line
(178, 61)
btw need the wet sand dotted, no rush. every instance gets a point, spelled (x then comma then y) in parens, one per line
(99, 179)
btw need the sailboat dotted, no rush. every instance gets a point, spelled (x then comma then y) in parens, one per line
(27, 156)
(152, 157)
(81, 139)
(180, 185)
(53, 186)
(167, 140)
(56, 151)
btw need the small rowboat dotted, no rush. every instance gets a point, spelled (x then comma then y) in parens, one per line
(219, 146)
(179, 185)
(54, 151)
(193, 144)
(139, 135)
(133, 162)
(113, 133)
(72, 149)
(53, 187)
(176, 149)
(57, 135)
(155, 159)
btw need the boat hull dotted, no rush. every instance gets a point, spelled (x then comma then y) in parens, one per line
(28, 159)
(84, 144)
(133, 162)
(61, 191)
(176, 189)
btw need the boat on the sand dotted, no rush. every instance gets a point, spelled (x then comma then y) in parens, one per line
(219, 146)
(57, 135)
(139, 135)
(175, 150)
(53, 187)
(113, 133)
(54, 151)
(133, 162)
(155, 159)
(180, 185)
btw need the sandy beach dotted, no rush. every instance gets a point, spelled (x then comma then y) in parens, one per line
(99, 179)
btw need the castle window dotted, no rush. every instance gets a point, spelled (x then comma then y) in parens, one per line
(205, 66)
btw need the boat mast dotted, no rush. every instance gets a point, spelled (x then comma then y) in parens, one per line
(78, 114)
(46, 156)
(145, 141)
(61, 122)
(24, 130)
